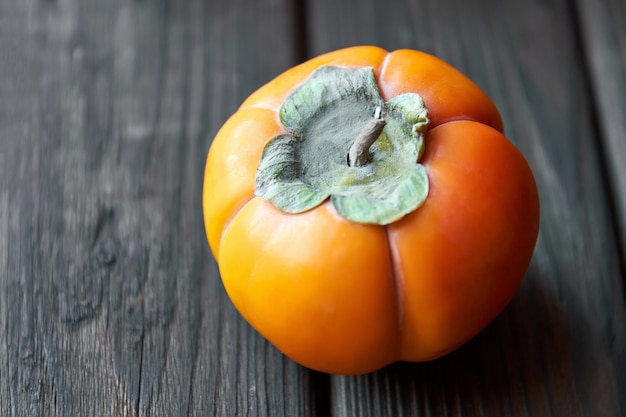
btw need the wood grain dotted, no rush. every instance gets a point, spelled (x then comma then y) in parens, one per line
(559, 348)
(603, 35)
(111, 302)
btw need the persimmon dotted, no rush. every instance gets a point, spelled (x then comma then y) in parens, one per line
(365, 207)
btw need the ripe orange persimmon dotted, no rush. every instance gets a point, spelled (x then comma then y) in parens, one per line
(365, 207)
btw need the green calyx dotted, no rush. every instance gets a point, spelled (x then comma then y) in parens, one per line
(346, 143)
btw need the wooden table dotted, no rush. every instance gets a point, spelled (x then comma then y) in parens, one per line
(110, 302)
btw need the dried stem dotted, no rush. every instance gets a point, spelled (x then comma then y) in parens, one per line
(359, 154)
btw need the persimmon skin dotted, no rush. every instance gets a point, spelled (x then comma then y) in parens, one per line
(320, 287)
(348, 298)
(231, 167)
(461, 256)
(272, 94)
(448, 94)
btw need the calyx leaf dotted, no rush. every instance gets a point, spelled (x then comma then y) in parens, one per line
(300, 170)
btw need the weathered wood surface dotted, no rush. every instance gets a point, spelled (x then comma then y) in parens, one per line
(603, 36)
(110, 303)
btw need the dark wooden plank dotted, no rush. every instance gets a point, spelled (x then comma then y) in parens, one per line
(110, 302)
(559, 349)
(603, 35)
